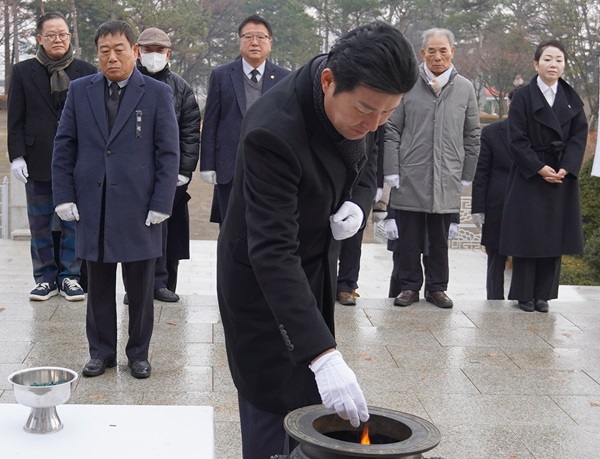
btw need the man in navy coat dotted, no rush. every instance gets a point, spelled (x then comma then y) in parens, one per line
(232, 89)
(114, 171)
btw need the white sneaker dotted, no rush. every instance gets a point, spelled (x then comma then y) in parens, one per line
(71, 290)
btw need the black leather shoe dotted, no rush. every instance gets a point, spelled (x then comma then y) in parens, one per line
(164, 294)
(96, 367)
(406, 298)
(440, 299)
(140, 369)
(526, 306)
(540, 305)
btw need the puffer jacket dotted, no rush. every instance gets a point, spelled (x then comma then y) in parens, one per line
(188, 117)
(433, 143)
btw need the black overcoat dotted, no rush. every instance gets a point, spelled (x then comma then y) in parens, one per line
(276, 257)
(33, 115)
(489, 184)
(541, 219)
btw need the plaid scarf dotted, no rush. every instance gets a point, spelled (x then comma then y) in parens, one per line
(59, 80)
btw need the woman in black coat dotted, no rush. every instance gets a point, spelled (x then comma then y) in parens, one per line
(542, 218)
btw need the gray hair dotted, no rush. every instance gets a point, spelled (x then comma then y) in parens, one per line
(437, 31)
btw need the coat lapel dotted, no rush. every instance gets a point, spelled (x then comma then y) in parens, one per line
(237, 80)
(96, 93)
(42, 82)
(269, 78)
(542, 112)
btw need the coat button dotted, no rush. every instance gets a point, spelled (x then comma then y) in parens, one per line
(99, 183)
(108, 153)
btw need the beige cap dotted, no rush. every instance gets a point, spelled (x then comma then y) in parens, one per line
(154, 36)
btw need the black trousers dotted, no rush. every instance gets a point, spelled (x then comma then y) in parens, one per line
(496, 264)
(349, 263)
(263, 434)
(101, 319)
(534, 278)
(414, 229)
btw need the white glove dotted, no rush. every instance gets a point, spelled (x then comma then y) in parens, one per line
(391, 229)
(339, 388)
(346, 221)
(478, 219)
(209, 177)
(67, 211)
(453, 231)
(465, 183)
(154, 218)
(19, 169)
(182, 180)
(378, 195)
(393, 180)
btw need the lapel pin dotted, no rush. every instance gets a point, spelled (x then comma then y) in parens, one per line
(272, 77)
(569, 106)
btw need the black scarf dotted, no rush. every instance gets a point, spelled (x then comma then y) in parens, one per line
(59, 80)
(352, 152)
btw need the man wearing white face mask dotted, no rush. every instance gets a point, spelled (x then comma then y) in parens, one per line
(153, 53)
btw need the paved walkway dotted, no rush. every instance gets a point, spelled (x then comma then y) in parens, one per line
(497, 382)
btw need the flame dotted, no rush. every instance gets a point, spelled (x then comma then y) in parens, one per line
(364, 439)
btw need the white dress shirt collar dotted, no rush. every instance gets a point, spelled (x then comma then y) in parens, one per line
(248, 68)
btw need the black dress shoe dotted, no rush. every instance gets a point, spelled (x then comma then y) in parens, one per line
(440, 299)
(96, 367)
(164, 294)
(406, 298)
(540, 305)
(526, 306)
(140, 369)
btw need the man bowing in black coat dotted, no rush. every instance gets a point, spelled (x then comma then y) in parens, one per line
(304, 180)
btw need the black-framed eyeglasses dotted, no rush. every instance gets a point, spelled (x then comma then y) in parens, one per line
(248, 37)
(52, 36)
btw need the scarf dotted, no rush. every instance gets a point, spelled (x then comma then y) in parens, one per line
(352, 152)
(59, 80)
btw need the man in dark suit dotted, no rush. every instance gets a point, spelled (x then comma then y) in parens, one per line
(114, 171)
(304, 180)
(232, 89)
(489, 187)
(36, 96)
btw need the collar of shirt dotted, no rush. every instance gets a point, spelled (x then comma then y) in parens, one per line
(121, 83)
(544, 87)
(248, 68)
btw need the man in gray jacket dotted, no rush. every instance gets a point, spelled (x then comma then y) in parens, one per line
(431, 150)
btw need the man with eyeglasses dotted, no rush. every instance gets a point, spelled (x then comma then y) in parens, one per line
(36, 97)
(232, 89)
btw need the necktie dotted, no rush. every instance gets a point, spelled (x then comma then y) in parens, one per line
(253, 78)
(112, 104)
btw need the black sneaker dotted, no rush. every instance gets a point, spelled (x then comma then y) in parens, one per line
(71, 290)
(43, 291)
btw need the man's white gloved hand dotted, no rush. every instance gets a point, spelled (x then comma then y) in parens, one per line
(378, 195)
(154, 218)
(393, 180)
(339, 388)
(465, 183)
(67, 211)
(391, 229)
(19, 169)
(182, 180)
(453, 231)
(209, 177)
(346, 221)
(478, 219)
